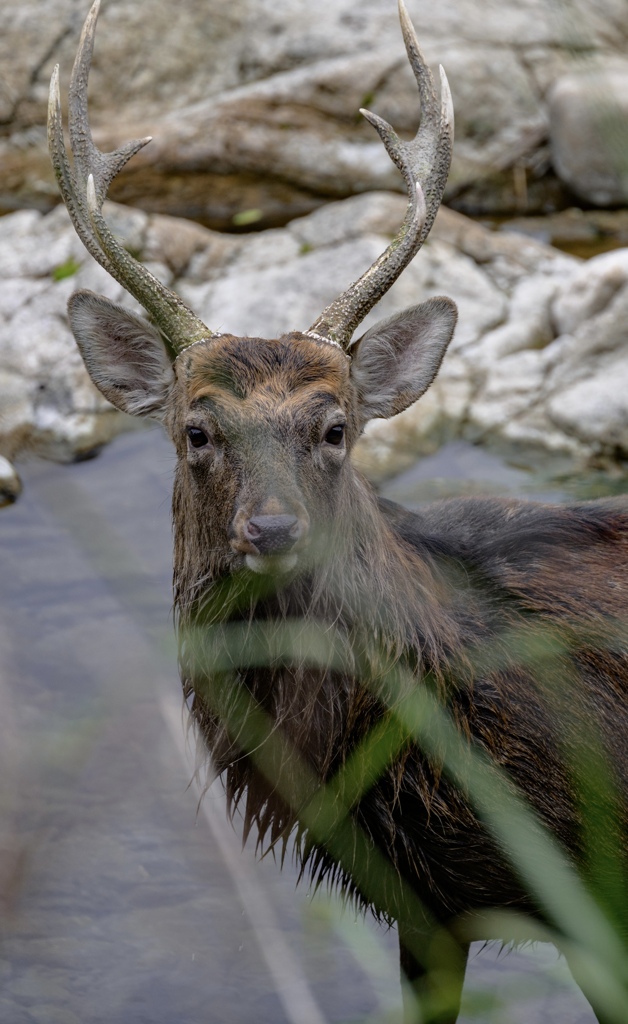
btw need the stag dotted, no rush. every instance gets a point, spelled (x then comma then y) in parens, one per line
(274, 526)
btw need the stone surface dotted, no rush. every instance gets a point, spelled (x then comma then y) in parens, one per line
(538, 359)
(253, 104)
(10, 483)
(583, 233)
(588, 130)
(48, 406)
(593, 287)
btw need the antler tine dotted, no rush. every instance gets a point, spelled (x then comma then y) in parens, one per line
(84, 188)
(87, 157)
(424, 163)
(74, 201)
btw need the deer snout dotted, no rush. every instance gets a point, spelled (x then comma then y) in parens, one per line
(271, 538)
(273, 535)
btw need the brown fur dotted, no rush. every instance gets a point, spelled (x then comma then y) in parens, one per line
(511, 614)
(429, 588)
(453, 597)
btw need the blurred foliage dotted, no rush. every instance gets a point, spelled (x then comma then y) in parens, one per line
(67, 269)
(584, 909)
(246, 217)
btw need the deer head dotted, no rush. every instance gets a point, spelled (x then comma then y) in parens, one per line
(262, 428)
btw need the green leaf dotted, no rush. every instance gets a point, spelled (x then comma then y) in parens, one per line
(247, 217)
(67, 269)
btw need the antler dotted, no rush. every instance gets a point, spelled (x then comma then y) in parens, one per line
(84, 188)
(424, 163)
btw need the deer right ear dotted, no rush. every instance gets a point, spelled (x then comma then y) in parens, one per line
(125, 356)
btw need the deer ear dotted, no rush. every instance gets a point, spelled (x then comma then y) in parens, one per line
(124, 354)
(395, 362)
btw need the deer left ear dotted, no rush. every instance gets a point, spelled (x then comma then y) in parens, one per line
(395, 362)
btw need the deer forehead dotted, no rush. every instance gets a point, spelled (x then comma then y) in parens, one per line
(257, 372)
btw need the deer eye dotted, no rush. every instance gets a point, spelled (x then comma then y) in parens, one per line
(335, 434)
(198, 438)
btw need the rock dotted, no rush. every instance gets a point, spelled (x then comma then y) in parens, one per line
(591, 289)
(174, 242)
(570, 393)
(596, 410)
(586, 393)
(301, 126)
(340, 222)
(580, 232)
(537, 359)
(254, 106)
(588, 114)
(266, 289)
(529, 324)
(505, 257)
(10, 483)
(47, 402)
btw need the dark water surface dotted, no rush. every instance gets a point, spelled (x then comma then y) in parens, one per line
(121, 903)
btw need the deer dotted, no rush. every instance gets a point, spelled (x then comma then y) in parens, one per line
(276, 529)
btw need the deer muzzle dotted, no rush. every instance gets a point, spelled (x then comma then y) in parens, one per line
(273, 535)
(268, 541)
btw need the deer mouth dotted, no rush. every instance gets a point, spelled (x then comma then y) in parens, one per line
(271, 565)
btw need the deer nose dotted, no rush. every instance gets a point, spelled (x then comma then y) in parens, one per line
(273, 535)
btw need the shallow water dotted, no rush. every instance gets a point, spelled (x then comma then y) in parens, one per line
(122, 903)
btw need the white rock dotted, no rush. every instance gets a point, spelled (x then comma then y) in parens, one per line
(271, 301)
(510, 388)
(589, 290)
(10, 483)
(269, 248)
(588, 125)
(271, 90)
(16, 291)
(47, 402)
(374, 213)
(57, 244)
(537, 431)
(538, 357)
(528, 326)
(596, 409)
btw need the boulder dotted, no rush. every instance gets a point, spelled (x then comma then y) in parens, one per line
(253, 104)
(10, 483)
(537, 360)
(588, 117)
(565, 388)
(48, 406)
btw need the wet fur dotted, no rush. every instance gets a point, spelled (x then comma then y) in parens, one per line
(519, 573)
(454, 595)
(430, 588)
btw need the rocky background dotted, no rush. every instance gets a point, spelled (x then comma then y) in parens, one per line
(253, 108)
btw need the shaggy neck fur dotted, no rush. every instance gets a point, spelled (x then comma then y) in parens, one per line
(348, 619)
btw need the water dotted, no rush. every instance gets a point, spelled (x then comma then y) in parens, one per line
(123, 903)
